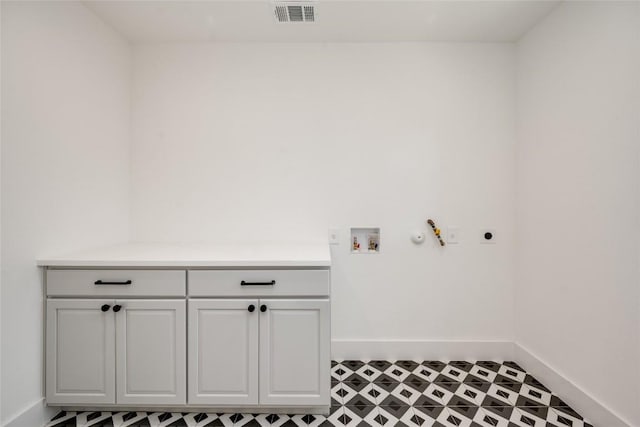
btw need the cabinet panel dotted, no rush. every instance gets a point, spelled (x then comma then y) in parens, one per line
(294, 352)
(223, 352)
(80, 352)
(116, 283)
(151, 352)
(258, 283)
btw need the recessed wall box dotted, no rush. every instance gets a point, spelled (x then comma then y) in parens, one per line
(365, 240)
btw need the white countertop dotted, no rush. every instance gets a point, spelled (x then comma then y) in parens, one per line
(196, 255)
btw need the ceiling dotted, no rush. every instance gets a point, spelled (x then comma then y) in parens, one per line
(152, 21)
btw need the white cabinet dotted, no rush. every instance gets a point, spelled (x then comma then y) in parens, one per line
(151, 352)
(223, 352)
(294, 352)
(92, 344)
(80, 347)
(250, 334)
(236, 344)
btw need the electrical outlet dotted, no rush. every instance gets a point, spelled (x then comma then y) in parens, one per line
(334, 236)
(488, 235)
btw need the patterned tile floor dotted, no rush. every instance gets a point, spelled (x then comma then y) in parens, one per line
(383, 393)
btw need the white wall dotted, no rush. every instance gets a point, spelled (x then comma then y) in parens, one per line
(65, 164)
(278, 142)
(578, 198)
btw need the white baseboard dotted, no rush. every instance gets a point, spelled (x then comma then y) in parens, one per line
(587, 406)
(36, 415)
(421, 350)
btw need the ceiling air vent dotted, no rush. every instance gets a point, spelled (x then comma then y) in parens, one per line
(294, 11)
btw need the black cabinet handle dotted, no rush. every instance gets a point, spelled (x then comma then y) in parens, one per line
(251, 308)
(117, 308)
(105, 307)
(263, 308)
(271, 283)
(100, 282)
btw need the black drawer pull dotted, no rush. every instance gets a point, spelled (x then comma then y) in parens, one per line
(100, 282)
(271, 283)
(105, 307)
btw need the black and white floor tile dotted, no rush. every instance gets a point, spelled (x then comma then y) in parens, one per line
(384, 393)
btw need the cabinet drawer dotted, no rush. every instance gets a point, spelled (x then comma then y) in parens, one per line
(261, 283)
(116, 283)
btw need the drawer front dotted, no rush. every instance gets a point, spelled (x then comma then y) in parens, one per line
(258, 283)
(116, 283)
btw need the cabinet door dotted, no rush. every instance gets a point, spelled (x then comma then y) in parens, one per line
(151, 352)
(294, 352)
(80, 358)
(223, 352)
